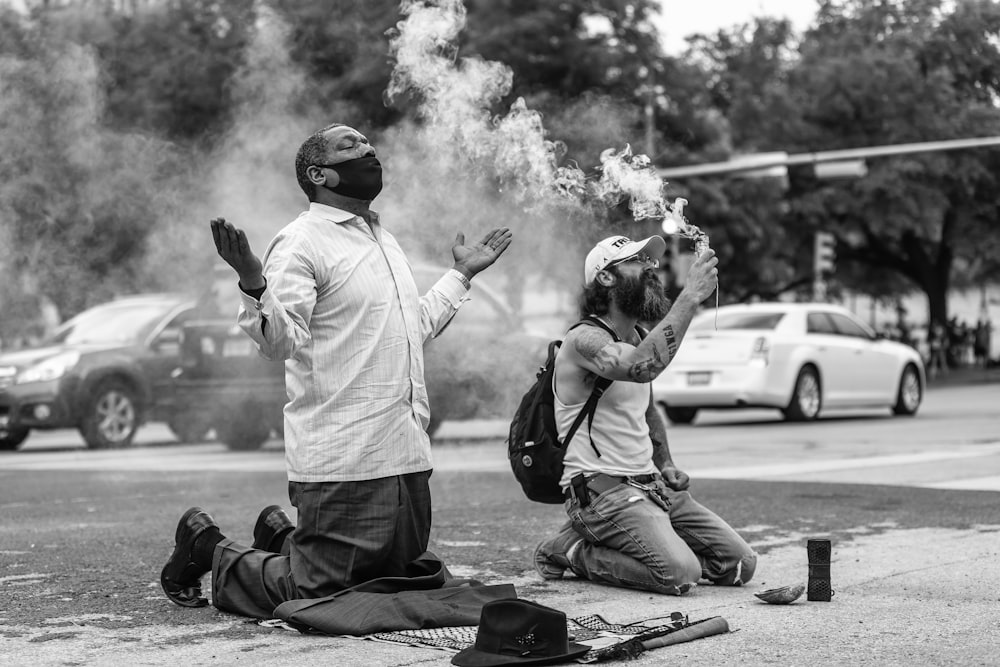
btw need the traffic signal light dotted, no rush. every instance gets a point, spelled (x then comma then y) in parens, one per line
(825, 254)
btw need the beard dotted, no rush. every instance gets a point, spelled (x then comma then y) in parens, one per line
(642, 297)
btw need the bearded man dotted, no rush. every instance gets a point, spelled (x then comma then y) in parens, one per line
(632, 521)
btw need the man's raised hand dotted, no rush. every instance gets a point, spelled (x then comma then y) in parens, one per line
(232, 245)
(475, 258)
(703, 276)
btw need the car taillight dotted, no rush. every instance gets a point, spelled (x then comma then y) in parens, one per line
(761, 350)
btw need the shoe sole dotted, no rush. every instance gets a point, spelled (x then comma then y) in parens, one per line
(197, 602)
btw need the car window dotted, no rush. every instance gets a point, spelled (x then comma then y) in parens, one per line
(848, 327)
(113, 323)
(766, 320)
(819, 323)
(177, 322)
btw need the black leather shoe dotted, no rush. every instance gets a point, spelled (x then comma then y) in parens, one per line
(181, 576)
(272, 523)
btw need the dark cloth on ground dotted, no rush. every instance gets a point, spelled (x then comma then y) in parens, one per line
(425, 598)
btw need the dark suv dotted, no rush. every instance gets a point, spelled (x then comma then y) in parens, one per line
(99, 372)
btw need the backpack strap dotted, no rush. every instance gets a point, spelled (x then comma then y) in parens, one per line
(600, 386)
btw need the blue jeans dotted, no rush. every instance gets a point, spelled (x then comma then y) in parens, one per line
(662, 541)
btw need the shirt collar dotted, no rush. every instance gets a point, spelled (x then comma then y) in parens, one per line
(330, 212)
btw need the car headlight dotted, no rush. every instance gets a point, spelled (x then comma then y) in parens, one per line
(49, 369)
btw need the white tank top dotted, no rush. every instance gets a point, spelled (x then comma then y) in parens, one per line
(619, 431)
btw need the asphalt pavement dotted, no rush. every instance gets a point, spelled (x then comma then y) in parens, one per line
(914, 570)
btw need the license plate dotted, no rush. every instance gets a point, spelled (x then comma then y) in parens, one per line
(699, 378)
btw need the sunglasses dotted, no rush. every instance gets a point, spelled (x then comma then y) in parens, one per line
(641, 257)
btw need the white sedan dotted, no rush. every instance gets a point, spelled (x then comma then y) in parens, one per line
(797, 357)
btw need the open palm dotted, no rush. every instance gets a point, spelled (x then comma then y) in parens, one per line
(478, 256)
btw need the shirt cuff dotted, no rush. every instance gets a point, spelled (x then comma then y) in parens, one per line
(461, 278)
(453, 286)
(254, 293)
(254, 302)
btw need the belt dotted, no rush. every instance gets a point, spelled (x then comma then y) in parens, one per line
(599, 483)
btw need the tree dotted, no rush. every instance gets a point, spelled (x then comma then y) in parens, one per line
(342, 48)
(893, 72)
(870, 72)
(741, 87)
(77, 200)
(164, 65)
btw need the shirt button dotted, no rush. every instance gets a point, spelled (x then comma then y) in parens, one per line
(258, 305)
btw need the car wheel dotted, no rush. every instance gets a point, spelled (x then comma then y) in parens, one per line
(187, 430)
(246, 430)
(11, 438)
(112, 416)
(910, 393)
(681, 415)
(807, 396)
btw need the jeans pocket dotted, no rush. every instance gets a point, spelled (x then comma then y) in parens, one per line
(580, 525)
(613, 497)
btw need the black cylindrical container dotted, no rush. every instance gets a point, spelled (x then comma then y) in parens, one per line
(819, 570)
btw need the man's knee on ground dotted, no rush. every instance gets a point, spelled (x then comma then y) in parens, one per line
(741, 573)
(678, 575)
(749, 566)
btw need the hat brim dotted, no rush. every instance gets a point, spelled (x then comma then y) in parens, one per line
(473, 657)
(654, 246)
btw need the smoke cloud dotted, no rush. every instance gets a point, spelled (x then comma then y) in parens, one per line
(456, 99)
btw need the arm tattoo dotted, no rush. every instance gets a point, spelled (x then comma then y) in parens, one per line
(668, 336)
(645, 370)
(594, 346)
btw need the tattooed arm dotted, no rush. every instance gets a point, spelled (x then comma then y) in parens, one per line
(676, 479)
(598, 353)
(658, 434)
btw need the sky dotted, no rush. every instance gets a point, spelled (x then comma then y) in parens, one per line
(683, 17)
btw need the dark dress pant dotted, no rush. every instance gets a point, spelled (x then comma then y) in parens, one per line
(347, 533)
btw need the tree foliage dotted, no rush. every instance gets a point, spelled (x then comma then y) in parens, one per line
(75, 197)
(871, 73)
(124, 125)
(889, 72)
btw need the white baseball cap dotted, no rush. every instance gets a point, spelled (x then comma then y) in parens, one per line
(615, 248)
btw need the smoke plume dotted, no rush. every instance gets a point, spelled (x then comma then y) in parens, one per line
(456, 100)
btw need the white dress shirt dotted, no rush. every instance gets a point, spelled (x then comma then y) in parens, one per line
(341, 307)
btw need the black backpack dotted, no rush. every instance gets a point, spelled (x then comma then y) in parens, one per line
(533, 447)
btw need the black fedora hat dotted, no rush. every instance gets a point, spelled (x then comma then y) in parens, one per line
(519, 632)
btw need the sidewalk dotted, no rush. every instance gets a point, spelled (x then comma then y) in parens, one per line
(914, 570)
(903, 597)
(965, 375)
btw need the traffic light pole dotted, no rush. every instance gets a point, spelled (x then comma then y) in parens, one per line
(824, 262)
(737, 165)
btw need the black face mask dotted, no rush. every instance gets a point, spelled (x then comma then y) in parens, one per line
(360, 178)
